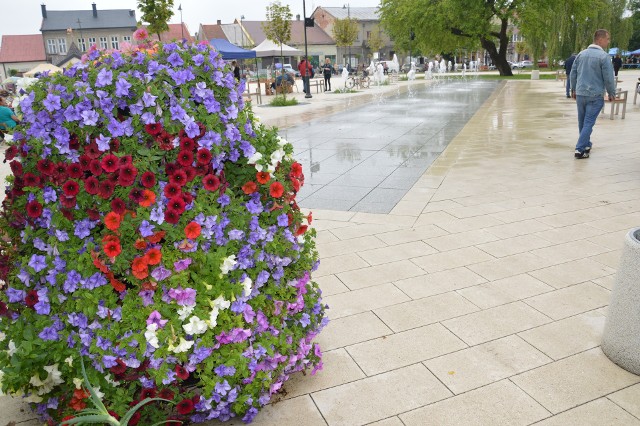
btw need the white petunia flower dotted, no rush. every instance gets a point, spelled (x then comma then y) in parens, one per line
(247, 283)
(1, 376)
(33, 398)
(271, 168)
(35, 381)
(2, 337)
(78, 382)
(151, 336)
(110, 380)
(259, 167)
(55, 376)
(221, 303)
(281, 141)
(195, 326)
(182, 347)
(184, 312)
(69, 360)
(276, 156)
(228, 263)
(213, 317)
(254, 158)
(11, 348)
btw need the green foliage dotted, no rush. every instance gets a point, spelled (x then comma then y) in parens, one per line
(345, 90)
(283, 101)
(277, 27)
(375, 41)
(157, 14)
(13, 72)
(345, 31)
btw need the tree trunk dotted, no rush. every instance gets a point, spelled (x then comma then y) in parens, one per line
(499, 57)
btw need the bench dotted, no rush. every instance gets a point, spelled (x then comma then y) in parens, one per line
(317, 83)
(635, 95)
(247, 95)
(561, 76)
(620, 99)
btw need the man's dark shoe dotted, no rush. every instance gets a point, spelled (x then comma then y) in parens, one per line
(581, 154)
(587, 150)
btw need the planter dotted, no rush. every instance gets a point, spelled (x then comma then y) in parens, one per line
(535, 75)
(621, 338)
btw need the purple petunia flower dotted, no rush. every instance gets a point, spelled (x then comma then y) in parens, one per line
(148, 100)
(105, 77)
(181, 265)
(38, 262)
(15, 295)
(122, 87)
(51, 102)
(103, 142)
(146, 229)
(175, 60)
(49, 333)
(160, 273)
(89, 118)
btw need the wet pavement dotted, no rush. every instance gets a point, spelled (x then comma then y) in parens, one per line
(367, 157)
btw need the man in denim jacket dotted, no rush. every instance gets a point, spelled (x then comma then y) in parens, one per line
(591, 75)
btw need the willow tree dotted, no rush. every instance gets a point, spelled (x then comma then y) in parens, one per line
(375, 41)
(157, 14)
(277, 28)
(345, 32)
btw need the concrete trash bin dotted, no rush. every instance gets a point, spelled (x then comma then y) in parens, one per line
(621, 337)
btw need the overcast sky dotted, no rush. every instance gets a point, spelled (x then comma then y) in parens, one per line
(24, 16)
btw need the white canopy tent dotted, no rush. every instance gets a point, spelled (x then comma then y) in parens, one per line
(42, 68)
(269, 48)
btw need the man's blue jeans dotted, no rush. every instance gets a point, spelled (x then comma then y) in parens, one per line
(305, 85)
(568, 86)
(588, 109)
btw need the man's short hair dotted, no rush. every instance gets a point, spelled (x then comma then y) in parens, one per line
(600, 34)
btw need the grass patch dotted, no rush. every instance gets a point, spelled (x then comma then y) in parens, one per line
(282, 101)
(516, 76)
(345, 90)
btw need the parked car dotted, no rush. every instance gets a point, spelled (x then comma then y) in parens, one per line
(523, 64)
(407, 67)
(542, 64)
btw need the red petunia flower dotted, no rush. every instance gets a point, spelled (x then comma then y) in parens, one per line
(276, 190)
(154, 256)
(148, 179)
(45, 166)
(16, 167)
(301, 230)
(187, 144)
(263, 177)
(148, 198)
(112, 247)
(136, 194)
(74, 170)
(30, 179)
(95, 168)
(296, 184)
(112, 221)
(92, 150)
(91, 185)
(166, 394)
(125, 160)
(179, 177)
(296, 170)
(157, 237)
(190, 172)
(71, 188)
(211, 182)
(109, 163)
(147, 393)
(187, 198)
(201, 169)
(310, 218)
(185, 158)
(93, 214)
(106, 189)
(34, 209)
(249, 187)
(127, 172)
(176, 204)
(84, 162)
(11, 153)
(31, 298)
(170, 168)
(192, 230)
(172, 190)
(118, 206)
(140, 268)
(68, 202)
(185, 406)
(204, 156)
(153, 129)
(181, 372)
(119, 368)
(74, 143)
(171, 216)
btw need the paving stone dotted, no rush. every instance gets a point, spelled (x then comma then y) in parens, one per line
(595, 413)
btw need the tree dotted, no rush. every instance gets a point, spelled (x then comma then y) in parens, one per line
(277, 28)
(345, 32)
(375, 41)
(446, 25)
(156, 13)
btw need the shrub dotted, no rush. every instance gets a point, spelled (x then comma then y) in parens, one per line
(283, 101)
(151, 226)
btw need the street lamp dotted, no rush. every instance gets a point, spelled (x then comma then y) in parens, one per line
(306, 56)
(348, 7)
(181, 24)
(242, 30)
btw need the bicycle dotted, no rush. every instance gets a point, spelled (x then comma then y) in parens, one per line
(362, 81)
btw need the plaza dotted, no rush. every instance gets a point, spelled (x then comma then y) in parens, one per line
(480, 297)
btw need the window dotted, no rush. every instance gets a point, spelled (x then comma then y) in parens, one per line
(126, 39)
(114, 43)
(81, 45)
(103, 43)
(51, 46)
(62, 46)
(91, 41)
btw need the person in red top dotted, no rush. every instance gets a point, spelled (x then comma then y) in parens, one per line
(305, 72)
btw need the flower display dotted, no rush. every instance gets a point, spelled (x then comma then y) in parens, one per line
(151, 227)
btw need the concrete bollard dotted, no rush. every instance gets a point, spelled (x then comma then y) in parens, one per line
(621, 337)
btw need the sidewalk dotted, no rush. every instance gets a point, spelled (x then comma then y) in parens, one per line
(481, 298)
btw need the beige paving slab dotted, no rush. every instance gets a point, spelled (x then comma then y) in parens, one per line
(374, 275)
(468, 224)
(391, 421)
(569, 233)
(570, 218)
(498, 359)
(396, 252)
(520, 227)
(380, 396)
(506, 290)
(610, 259)
(617, 223)
(416, 313)
(338, 368)
(434, 218)
(611, 240)
(517, 215)
(572, 381)
(402, 349)
(595, 413)
(571, 300)
(606, 282)
(361, 230)
(569, 336)
(515, 245)
(411, 234)
(439, 282)
(405, 207)
(570, 273)
(334, 265)
(326, 236)
(629, 399)
(290, 412)
(323, 225)
(567, 252)
(14, 410)
(342, 247)
(366, 299)
(498, 404)
(335, 215)
(330, 284)
(451, 259)
(457, 241)
(345, 331)
(511, 265)
(383, 219)
(496, 322)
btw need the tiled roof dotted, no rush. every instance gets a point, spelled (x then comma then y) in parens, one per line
(63, 19)
(22, 48)
(213, 31)
(315, 35)
(174, 33)
(359, 13)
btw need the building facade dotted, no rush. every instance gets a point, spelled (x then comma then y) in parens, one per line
(20, 53)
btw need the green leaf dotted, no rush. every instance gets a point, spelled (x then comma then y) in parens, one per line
(125, 419)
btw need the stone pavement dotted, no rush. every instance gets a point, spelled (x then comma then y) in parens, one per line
(480, 298)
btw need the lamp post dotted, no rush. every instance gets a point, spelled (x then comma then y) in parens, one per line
(348, 7)
(181, 24)
(242, 30)
(306, 56)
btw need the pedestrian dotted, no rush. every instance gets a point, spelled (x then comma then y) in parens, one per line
(617, 64)
(567, 67)
(326, 72)
(305, 72)
(236, 70)
(591, 76)
(8, 118)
